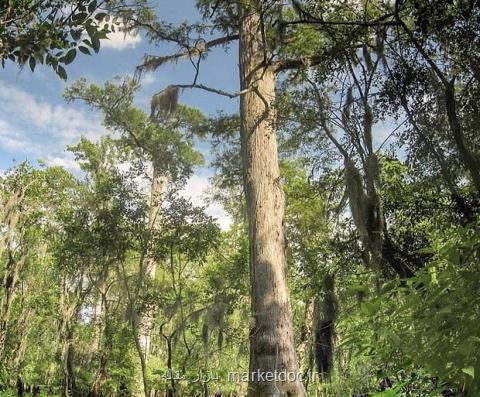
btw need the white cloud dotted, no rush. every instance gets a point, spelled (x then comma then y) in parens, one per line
(66, 161)
(121, 41)
(39, 129)
(149, 78)
(195, 190)
(9, 137)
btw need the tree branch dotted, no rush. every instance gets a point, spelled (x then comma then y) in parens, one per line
(214, 90)
(308, 18)
(154, 62)
(343, 23)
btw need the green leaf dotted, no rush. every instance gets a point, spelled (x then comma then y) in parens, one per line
(76, 34)
(62, 73)
(91, 30)
(101, 16)
(102, 34)
(92, 6)
(469, 371)
(96, 44)
(32, 63)
(70, 56)
(84, 50)
(80, 18)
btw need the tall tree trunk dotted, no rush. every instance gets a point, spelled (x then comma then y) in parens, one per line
(134, 324)
(70, 303)
(67, 355)
(10, 284)
(103, 338)
(325, 313)
(141, 325)
(69, 371)
(134, 321)
(272, 347)
(148, 270)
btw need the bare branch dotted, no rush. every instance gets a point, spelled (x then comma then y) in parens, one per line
(214, 90)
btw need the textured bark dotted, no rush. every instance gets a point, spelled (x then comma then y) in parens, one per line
(157, 195)
(102, 336)
(70, 303)
(138, 346)
(305, 337)
(272, 348)
(67, 355)
(15, 262)
(69, 379)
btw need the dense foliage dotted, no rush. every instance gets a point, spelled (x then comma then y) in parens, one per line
(52, 32)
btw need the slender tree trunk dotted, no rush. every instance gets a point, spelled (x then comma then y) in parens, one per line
(134, 322)
(67, 354)
(138, 346)
(69, 380)
(103, 339)
(304, 345)
(10, 283)
(142, 325)
(70, 303)
(157, 195)
(97, 335)
(272, 347)
(468, 158)
(325, 313)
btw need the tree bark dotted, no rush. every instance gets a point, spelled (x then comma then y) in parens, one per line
(157, 195)
(69, 305)
(5, 309)
(10, 280)
(70, 385)
(272, 348)
(103, 338)
(325, 313)
(67, 358)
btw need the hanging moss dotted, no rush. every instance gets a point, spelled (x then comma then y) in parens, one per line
(165, 102)
(356, 197)
(368, 58)
(205, 334)
(373, 168)
(215, 315)
(380, 45)
(368, 123)
(220, 340)
(347, 107)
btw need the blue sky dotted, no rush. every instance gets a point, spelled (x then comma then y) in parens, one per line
(36, 122)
